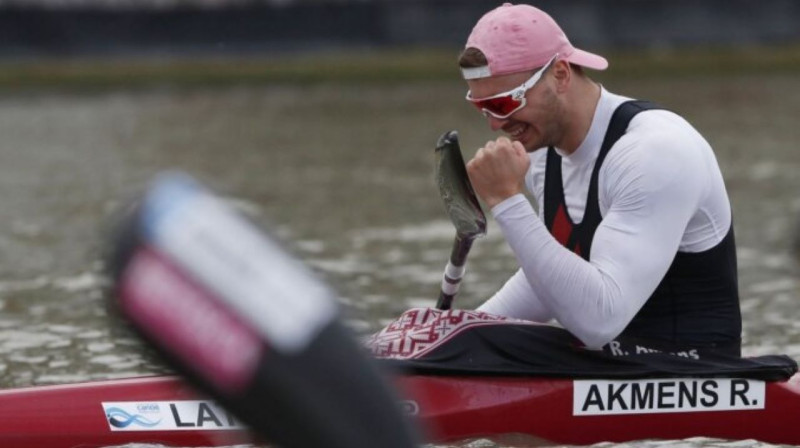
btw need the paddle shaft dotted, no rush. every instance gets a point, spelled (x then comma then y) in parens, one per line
(454, 271)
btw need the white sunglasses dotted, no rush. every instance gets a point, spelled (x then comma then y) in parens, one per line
(503, 105)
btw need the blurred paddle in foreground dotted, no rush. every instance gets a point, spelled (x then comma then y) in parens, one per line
(247, 323)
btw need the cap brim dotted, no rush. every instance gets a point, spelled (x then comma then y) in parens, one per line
(589, 60)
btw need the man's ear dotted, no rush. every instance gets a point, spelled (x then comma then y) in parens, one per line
(562, 74)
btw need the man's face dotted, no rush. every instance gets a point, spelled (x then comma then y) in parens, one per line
(536, 124)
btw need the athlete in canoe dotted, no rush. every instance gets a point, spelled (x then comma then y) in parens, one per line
(634, 235)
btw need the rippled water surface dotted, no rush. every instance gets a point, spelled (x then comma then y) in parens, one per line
(344, 173)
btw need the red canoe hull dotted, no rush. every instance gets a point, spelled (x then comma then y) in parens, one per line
(460, 408)
(448, 408)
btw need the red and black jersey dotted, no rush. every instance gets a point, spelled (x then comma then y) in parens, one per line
(697, 301)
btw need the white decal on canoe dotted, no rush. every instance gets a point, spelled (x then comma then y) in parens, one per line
(654, 396)
(195, 415)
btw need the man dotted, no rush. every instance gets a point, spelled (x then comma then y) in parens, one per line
(634, 237)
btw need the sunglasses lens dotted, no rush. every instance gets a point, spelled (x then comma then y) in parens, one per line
(500, 107)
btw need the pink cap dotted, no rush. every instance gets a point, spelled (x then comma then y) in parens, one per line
(516, 38)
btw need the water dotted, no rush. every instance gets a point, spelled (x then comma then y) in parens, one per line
(344, 173)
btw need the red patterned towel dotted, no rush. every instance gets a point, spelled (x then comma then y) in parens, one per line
(419, 330)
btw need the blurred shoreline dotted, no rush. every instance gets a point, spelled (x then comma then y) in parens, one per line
(393, 65)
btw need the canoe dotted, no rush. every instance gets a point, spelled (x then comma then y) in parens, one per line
(165, 410)
(460, 374)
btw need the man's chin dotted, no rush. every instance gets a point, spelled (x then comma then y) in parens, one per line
(529, 143)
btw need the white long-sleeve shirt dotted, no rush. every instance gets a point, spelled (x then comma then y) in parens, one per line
(660, 191)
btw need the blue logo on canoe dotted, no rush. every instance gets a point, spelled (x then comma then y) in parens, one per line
(119, 418)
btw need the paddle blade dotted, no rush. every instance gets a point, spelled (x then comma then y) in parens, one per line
(248, 323)
(455, 189)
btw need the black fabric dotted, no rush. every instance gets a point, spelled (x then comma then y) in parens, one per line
(546, 351)
(697, 301)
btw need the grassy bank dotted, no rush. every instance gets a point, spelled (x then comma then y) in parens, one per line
(379, 66)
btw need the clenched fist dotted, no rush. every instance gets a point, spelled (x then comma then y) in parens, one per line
(497, 171)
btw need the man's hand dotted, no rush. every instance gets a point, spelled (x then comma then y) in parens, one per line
(497, 171)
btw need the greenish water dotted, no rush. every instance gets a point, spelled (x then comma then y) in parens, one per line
(343, 171)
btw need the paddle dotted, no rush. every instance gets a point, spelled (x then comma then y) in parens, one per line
(247, 323)
(463, 209)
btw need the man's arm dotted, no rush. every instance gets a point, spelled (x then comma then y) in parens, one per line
(517, 299)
